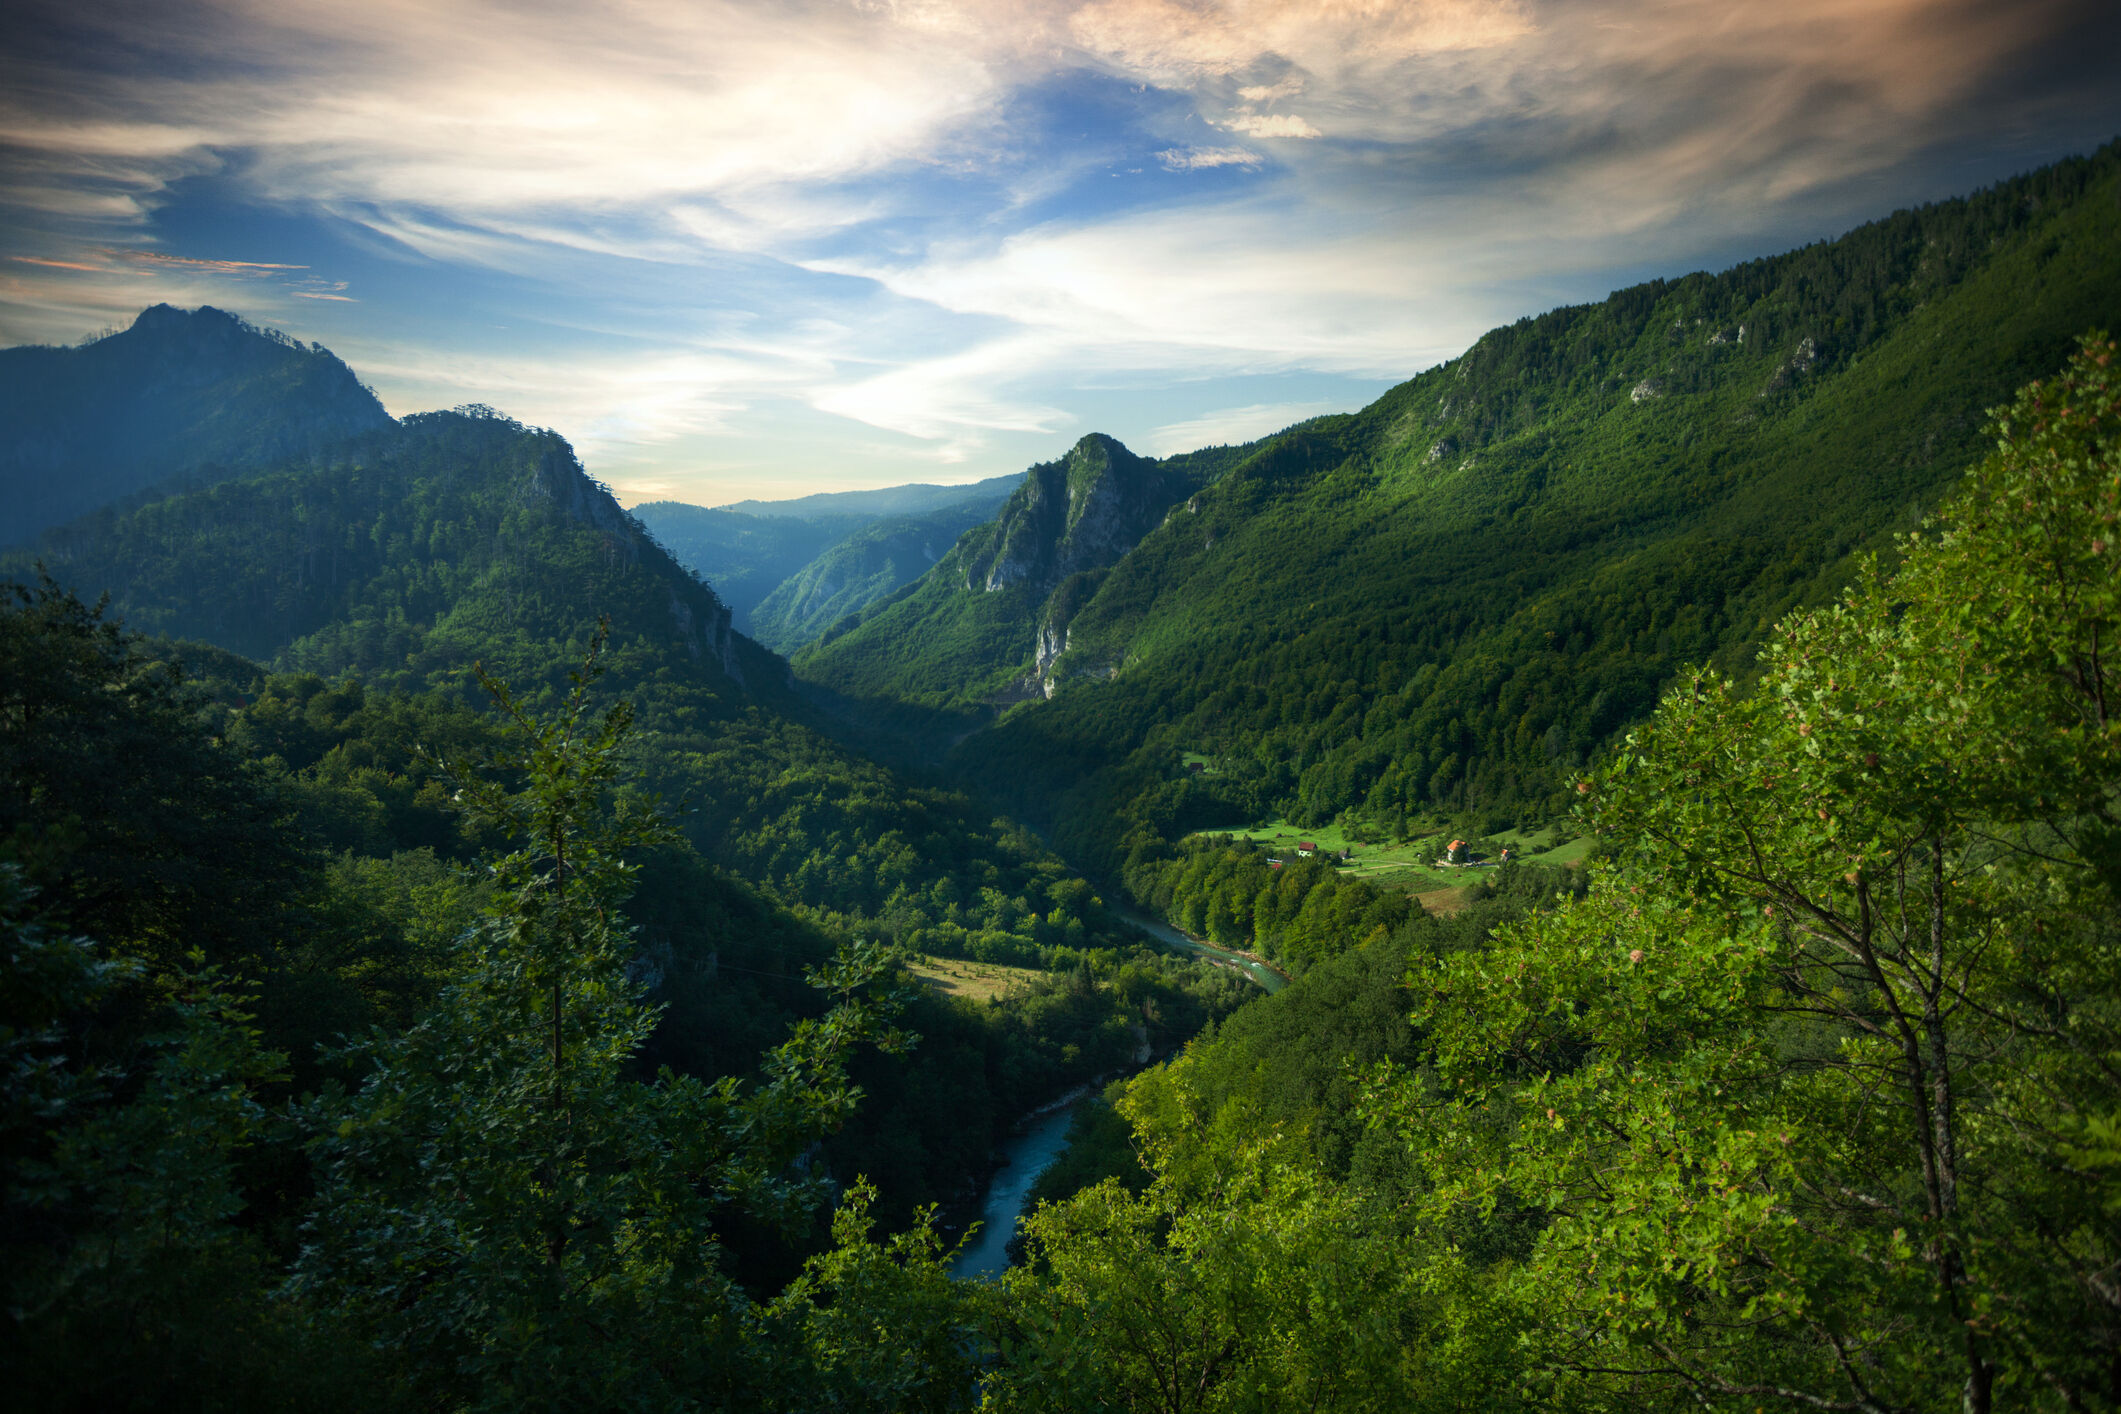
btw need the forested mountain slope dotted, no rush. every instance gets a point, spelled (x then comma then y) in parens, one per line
(1443, 605)
(181, 391)
(988, 622)
(1801, 1100)
(403, 556)
(465, 537)
(368, 582)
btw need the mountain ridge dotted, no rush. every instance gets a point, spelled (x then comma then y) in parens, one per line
(913, 498)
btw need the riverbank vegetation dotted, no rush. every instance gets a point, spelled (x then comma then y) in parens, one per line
(1291, 911)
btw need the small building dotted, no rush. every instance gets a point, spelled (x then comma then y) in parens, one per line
(1305, 849)
(1458, 853)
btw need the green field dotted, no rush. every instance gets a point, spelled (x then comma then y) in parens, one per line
(980, 981)
(1408, 865)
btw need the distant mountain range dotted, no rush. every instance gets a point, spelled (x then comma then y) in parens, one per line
(915, 499)
(197, 394)
(791, 569)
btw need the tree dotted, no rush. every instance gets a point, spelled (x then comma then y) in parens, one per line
(501, 1202)
(141, 830)
(1241, 1279)
(130, 1280)
(1815, 1089)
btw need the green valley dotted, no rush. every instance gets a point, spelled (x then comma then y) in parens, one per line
(1665, 761)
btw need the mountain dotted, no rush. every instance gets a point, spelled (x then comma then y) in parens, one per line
(915, 499)
(993, 616)
(404, 556)
(196, 392)
(745, 557)
(858, 570)
(1440, 608)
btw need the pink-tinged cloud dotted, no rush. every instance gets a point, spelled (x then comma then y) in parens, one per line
(60, 264)
(213, 267)
(1455, 164)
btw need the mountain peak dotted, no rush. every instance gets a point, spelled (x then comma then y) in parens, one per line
(157, 317)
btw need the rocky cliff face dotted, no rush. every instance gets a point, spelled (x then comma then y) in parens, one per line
(1068, 522)
(1077, 514)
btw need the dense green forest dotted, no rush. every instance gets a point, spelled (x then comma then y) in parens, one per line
(1294, 912)
(375, 577)
(1803, 1098)
(465, 537)
(1807, 1102)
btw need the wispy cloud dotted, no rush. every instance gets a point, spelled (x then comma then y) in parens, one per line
(1196, 159)
(1226, 426)
(58, 264)
(956, 400)
(204, 267)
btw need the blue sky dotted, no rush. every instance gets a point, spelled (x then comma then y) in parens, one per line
(739, 249)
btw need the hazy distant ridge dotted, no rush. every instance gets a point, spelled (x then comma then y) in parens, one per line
(197, 392)
(914, 499)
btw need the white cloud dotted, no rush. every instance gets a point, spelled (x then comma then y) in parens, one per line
(1267, 93)
(1195, 159)
(954, 399)
(1270, 125)
(1181, 43)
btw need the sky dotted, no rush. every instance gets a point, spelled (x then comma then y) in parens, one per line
(736, 249)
